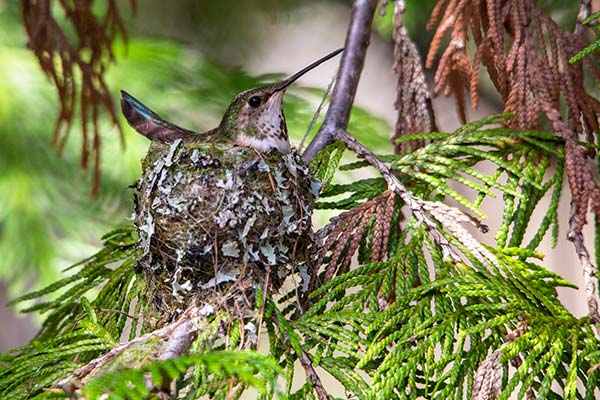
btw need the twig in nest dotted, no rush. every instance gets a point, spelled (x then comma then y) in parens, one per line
(268, 172)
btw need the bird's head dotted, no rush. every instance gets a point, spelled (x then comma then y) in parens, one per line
(255, 117)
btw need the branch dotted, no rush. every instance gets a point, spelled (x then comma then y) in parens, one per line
(307, 364)
(335, 128)
(342, 98)
(311, 374)
(589, 269)
(423, 210)
(585, 10)
(175, 338)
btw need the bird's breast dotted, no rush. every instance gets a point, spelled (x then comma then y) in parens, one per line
(264, 142)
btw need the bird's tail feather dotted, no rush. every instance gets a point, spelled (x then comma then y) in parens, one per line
(148, 123)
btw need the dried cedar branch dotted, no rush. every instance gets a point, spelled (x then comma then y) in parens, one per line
(342, 236)
(313, 377)
(526, 55)
(413, 100)
(487, 382)
(63, 59)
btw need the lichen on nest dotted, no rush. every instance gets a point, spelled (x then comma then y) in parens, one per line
(211, 214)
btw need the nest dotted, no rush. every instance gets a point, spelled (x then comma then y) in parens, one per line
(215, 215)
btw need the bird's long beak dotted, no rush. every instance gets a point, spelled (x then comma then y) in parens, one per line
(284, 84)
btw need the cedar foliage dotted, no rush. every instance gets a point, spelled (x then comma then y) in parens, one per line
(527, 57)
(423, 312)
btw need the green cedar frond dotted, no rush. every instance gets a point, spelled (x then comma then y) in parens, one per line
(304, 393)
(32, 368)
(361, 190)
(114, 244)
(595, 15)
(551, 216)
(217, 374)
(76, 329)
(586, 51)
(473, 311)
(342, 369)
(111, 304)
(326, 162)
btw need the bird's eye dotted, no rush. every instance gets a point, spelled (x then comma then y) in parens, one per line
(254, 101)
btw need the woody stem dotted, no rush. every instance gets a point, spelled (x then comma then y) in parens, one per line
(351, 65)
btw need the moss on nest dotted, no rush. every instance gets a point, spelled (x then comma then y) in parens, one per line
(212, 215)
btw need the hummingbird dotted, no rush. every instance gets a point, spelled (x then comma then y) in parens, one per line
(253, 119)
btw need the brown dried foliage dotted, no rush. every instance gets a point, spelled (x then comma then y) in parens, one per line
(413, 100)
(526, 55)
(343, 235)
(75, 64)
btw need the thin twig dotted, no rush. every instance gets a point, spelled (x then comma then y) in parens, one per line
(107, 310)
(318, 112)
(588, 268)
(311, 374)
(342, 98)
(585, 10)
(305, 360)
(415, 205)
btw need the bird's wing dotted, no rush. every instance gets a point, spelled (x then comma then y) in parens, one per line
(148, 123)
